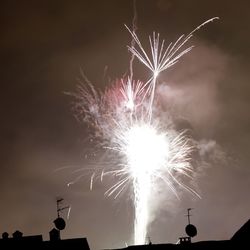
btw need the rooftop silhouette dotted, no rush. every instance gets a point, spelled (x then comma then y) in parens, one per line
(18, 241)
(240, 240)
(36, 242)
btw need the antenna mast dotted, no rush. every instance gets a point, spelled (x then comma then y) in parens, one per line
(59, 208)
(188, 214)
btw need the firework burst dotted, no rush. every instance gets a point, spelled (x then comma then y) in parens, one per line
(148, 147)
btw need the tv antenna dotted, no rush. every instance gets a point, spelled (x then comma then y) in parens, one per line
(59, 221)
(59, 208)
(190, 229)
(188, 214)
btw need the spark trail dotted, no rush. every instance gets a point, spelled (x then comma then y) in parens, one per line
(148, 147)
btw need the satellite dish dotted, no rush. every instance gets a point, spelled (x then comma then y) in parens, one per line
(191, 230)
(59, 223)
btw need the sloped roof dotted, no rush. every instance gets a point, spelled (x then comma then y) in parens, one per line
(243, 234)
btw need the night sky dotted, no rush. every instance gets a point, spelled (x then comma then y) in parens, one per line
(43, 46)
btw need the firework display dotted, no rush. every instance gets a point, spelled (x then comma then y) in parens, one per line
(128, 123)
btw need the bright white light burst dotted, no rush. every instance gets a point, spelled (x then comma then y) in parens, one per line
(146, 149)
(151, 156)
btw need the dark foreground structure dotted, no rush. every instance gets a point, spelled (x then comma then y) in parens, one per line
(18, 241)
(239, 241)
(36, 242)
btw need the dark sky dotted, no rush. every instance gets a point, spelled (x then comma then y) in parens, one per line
(43, 45)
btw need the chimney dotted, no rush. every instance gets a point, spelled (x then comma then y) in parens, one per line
(54, 235)
(5, 236)
(17, 235)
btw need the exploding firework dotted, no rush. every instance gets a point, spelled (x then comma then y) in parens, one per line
(128, 123)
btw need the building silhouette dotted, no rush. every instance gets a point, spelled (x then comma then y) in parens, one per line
(239, 241)
(18, 241)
